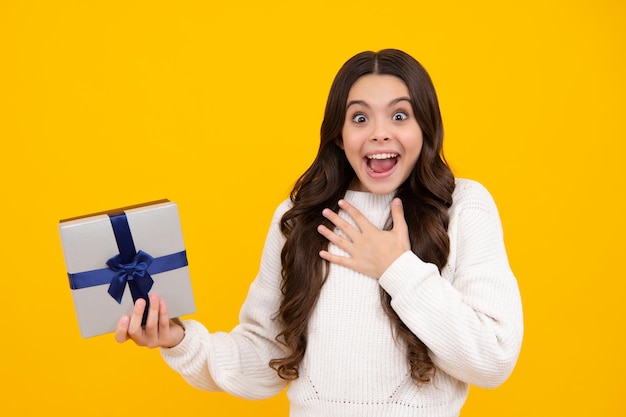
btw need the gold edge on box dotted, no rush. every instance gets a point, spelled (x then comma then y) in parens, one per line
(116, 210)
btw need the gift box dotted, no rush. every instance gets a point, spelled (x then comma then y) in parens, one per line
(116, 257)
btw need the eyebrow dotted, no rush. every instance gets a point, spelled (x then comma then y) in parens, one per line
(364, 104)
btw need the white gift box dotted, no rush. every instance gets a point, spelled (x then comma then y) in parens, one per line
(97, 248)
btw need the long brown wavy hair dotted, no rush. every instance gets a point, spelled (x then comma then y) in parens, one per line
(426, 197)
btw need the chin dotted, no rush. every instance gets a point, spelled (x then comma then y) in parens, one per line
(377, 188)
(384, 191)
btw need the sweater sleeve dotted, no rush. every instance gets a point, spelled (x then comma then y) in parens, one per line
(238, 361)
(471, 318)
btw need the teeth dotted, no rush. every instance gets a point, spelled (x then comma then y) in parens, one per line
(382, 156)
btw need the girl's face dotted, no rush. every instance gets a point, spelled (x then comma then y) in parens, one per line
(381, 137)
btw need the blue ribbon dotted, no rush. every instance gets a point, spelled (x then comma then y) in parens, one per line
(103, 276)
(128, 267)
(135, 274)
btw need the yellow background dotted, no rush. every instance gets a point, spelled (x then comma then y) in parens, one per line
(217, 106)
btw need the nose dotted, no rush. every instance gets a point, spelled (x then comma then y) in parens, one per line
(380, 132)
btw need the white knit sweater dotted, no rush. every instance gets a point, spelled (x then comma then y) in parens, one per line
(469, 316)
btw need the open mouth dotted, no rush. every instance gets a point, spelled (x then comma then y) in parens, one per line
(381, 162)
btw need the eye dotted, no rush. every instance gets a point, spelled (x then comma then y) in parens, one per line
(359, 118)
(399, 116)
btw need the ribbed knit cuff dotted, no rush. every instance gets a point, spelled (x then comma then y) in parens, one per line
(193, 331)
(406, 271)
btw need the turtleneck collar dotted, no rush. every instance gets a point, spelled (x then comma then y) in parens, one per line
(376, 207)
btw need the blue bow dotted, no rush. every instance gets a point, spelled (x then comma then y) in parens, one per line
(134, 273)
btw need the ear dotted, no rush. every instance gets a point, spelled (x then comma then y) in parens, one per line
(339, 143)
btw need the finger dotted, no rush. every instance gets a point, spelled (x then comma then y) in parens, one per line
(361, 221)
(135, 330)
(334, 238)
(336, 259)
(400, 227)
(348, 229)
(152, 321)
(397, 215)
(164, 320)
(121, 331)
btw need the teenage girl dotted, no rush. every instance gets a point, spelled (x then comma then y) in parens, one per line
(384, 287)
